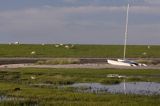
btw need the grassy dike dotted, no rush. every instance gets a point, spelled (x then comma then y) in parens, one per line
(111, 51)
(10, 79)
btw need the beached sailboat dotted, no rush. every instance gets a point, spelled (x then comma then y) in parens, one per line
(124, 62)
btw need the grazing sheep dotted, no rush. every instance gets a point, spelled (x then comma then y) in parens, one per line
(57, 45)
(33, 52)
(16, 43)
(67, 47)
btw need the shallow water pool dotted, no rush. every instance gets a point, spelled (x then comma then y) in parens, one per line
(143, 88)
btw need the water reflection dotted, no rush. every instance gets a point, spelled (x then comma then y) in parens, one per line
(143, 88)
(17, 101)
(6, 98)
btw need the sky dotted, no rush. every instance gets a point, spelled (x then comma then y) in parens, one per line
(79, 21)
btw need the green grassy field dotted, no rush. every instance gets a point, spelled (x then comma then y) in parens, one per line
(112, 51)
(46, 95)
(28, 95)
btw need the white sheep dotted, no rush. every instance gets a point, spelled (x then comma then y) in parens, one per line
(33, 52)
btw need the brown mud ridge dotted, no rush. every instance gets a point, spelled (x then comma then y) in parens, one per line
(34, 60)
(3, 61)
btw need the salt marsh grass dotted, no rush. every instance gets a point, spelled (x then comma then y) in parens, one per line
(20, 79)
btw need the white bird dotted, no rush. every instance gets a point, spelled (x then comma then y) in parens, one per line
(32, 77)
(144, 53)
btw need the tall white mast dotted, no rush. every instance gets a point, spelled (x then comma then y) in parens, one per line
(126, 33)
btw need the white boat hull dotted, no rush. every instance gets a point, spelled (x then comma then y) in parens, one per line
(119, 63)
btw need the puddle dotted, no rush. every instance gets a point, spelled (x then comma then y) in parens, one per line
(142, 88)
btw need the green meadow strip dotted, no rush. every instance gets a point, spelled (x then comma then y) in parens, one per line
(51, 50)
